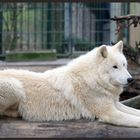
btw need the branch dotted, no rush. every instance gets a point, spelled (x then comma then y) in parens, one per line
(126, 17)
(133, 102)
(120, 21)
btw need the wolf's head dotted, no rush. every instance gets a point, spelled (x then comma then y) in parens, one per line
(113, 65)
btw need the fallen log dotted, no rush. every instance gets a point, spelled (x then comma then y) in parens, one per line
(133, 102)
(18, 128)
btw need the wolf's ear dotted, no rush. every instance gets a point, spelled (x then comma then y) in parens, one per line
(103, 51)
(119, 46)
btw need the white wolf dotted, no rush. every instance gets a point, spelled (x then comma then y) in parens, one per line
(88, 86)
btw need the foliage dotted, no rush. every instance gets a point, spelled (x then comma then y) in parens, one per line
(78, 44)
(10, 17)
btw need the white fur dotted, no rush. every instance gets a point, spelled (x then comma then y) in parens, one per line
(88, 86)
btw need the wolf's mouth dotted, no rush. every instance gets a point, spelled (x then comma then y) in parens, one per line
(125, 85)
(128, 84)
(117, 83)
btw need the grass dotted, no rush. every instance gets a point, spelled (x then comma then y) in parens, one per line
(31, 56)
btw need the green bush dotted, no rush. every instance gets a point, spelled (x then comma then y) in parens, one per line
(79, 44)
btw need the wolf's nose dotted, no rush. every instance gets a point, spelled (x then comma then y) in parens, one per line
(129, 80)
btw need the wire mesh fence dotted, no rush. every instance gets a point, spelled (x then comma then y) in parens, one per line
(65, 27)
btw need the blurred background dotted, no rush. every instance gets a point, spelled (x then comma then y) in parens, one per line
(46, 31)
(41, 36)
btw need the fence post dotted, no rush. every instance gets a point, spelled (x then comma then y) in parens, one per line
(49, 26)
(68, 25)
(0, 29)
(71, 37)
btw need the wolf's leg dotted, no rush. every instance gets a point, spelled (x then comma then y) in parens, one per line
(11, 92)
(117, 117)
(104, 108)
(127, 109)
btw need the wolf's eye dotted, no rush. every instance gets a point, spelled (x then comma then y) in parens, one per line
(115, 67)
